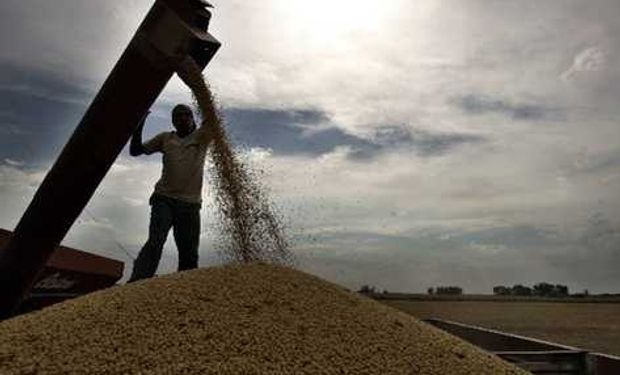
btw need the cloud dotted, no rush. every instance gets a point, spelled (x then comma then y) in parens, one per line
(591, 59)
(589, 162)
(40, 110)
(77, 39)
(312, 133)
(476, 259)
(115, 221)
(14, 163)
(366, 76)
(379, 222)
(432, 144)
(480, 104)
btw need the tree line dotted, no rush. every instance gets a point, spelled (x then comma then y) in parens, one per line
(539, 290)
(542, 289)
(446, 291)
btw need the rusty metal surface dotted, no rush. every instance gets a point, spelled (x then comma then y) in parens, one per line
(68, 273)
(128, 92)
(69, 259)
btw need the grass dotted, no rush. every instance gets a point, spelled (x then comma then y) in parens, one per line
(591, 326)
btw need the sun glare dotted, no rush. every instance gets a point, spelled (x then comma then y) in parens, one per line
(348, 15)
(324, 20)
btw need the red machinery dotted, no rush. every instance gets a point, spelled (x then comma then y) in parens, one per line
(68, 273)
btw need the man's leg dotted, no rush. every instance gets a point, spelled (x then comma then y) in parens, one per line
(186, 231)
(148, 259)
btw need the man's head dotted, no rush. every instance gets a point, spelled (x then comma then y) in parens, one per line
(183, 119)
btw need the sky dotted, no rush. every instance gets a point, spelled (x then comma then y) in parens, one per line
(407, 144)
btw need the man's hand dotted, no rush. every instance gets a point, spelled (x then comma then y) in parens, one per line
(141, 124)
(136, 148)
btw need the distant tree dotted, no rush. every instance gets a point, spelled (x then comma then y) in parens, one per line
(501, 290)
(549, 290)
(430, 291)
(367, 289)
(584, 294)
(560, 291)
(449, 290)
(543, 289)
(521, 290)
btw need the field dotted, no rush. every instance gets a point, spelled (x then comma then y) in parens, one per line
(591, 326)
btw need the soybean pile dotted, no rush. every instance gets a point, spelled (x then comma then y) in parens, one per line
(250, 228)
(235, 319)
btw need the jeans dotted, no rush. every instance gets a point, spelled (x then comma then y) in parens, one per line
(184, 219)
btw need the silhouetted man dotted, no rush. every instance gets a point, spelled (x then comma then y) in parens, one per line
(177, 198)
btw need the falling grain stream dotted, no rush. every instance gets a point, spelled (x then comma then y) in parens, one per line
(251, 229)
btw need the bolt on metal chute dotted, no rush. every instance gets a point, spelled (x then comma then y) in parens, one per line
(170, 32)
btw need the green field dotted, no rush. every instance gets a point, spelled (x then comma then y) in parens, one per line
(591, 326)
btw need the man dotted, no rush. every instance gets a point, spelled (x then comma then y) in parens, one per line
(178, 193)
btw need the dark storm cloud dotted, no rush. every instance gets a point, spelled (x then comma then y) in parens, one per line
(290, 133)
(37, 111)
(286, 132)
(480, 104)
(422, 142)
(431, 144)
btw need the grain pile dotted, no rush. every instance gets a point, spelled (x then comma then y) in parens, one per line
(235, 319)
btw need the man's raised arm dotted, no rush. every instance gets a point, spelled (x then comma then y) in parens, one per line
(136, 148)
(211, 121)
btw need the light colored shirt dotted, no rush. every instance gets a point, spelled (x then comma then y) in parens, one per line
(183, 163)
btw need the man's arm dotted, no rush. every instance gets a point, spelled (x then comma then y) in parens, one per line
(136, 148)
(211, 120)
